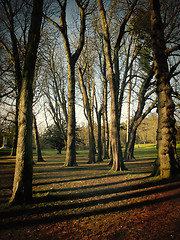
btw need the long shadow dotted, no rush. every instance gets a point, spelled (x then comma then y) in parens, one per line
(63, 217)
(160, 188)
(102, 192)
(69, 189)
(4, 198)
(73, 169)
(77, 179)
(91, 186)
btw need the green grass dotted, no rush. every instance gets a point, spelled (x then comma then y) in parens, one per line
(140, 151)
(145, 150)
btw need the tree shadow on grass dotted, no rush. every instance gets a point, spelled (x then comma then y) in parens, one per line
(65, 204)
(90, 186)
(76, 209)
(63, 217)
(157, 187)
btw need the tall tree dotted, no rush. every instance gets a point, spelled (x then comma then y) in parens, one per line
(71, 61)
(22, 185)
(36, 138)
(99, 142)
(167, 163)
(92, 147)
(112, 65)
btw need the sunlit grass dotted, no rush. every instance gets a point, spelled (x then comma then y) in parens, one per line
(145, 150)
(140, 151)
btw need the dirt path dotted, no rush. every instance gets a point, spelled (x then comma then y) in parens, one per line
(91, 202)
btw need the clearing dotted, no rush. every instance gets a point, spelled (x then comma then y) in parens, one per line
(92, 202)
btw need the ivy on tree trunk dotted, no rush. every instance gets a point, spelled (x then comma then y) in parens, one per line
(167, 162)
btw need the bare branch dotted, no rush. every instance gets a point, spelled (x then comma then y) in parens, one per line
(170, 50)
(8, 51)
(53, 22)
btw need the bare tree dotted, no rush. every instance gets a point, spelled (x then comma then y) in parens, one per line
(36, 138)
(112, 65)
(71, 61)
(22, 185)
(92, 147)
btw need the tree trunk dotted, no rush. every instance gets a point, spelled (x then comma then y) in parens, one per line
(22, 185)
(167, 163)
(36, 137)
(105, 123)
(128, 110)
(92, 147)
(71, 61)
(71, 147)
(99, 159)
(14, 143)
(115, 138)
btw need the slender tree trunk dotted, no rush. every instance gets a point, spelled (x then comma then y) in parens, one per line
(92, 149)
(14, 143)
(105, 123)
(167, 163)
(22, 185)
(99, 159)
(128, 110)
(36, 137)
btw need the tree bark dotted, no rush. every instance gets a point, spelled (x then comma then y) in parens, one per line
(71, 147)
(36, 137)
(22, 185)
(167, 164)
(113, 82)
(15, 136)
(99, 114)
(128, 110)
(105, 122)
(92, 149)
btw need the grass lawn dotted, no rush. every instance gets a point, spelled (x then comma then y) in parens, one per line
(91, 201)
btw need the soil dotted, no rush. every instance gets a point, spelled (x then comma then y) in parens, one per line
(91, 202)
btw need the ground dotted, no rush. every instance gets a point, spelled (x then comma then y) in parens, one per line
(91, 202)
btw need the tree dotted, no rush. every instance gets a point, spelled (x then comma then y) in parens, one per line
(54, 87)
(144, 93)
(112, 65)
(36, 138)
(71, 61)
(92, 147)
(167, 162)
(22, 185)
(103, 109)
(54, 138)
(99, 115)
